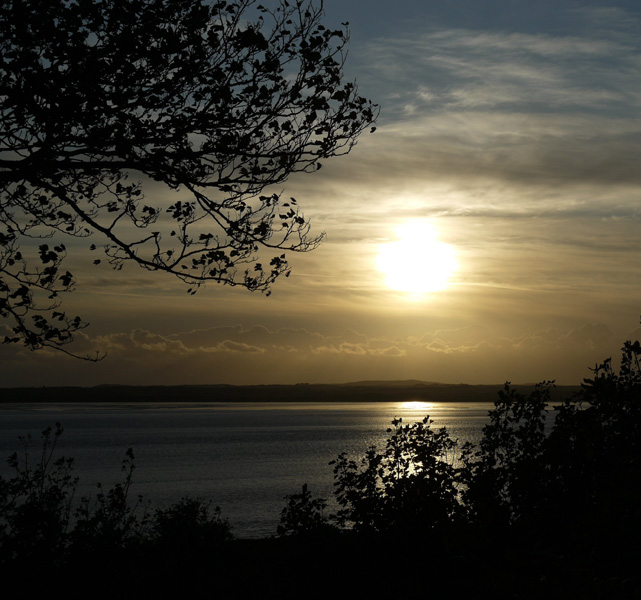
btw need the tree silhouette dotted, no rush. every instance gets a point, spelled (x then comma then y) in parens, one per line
(217, 101)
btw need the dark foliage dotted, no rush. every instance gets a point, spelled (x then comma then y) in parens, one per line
(572, 465)
(304, 515)
(410, 485)
(497, 478)
(36, 503)
(107, 538)
(109, 522)
(217, 100)
(546, 505)
(188, 522)
(550, 493)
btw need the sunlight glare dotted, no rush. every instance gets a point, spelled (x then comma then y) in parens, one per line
(417, 405)
(417, 263)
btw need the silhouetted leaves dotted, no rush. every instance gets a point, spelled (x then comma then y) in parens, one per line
(410, 485)
(304, 515)
(546, 502)
(44, 526)
(217, 101)
(545, 505)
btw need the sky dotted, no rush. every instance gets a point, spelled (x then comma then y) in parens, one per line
(505, 167)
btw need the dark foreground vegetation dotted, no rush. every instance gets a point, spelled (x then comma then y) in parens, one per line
(546, 505)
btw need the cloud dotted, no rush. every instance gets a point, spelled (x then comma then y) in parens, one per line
(372, 348)
(206, 338)
(469, 354)
(477, 150)
(230, 346)
(472, 110)
(140, 340)
(452, 338)
(256, 336)
(392, 351)
(443, 69)
(591, 336)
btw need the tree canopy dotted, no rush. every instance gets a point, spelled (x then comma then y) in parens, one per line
(219, 101)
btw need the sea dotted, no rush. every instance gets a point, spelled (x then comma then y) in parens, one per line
(243, 457)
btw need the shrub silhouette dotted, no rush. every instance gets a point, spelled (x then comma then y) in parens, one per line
(36, 502)
(550, 493)
(189, 522)
(583, 471)
(304, 515)
(553, 472)
(499, 478)
(110, 522)
(42, 527)
(410, 484)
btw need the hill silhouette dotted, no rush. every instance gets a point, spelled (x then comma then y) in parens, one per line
(360, 391)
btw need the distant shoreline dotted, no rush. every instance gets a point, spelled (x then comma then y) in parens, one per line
(369, 391)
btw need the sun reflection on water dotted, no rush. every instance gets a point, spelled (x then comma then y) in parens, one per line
(417, 405)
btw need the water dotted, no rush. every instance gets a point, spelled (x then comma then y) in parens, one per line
(244, 457)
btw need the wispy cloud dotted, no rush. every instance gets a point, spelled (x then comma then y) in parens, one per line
(460, 68)
(495, 124)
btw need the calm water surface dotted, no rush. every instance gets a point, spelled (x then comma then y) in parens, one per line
(245, 457)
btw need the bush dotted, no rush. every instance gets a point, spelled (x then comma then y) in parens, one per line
(190, 523)
(41, 525)
(573, 471)
(549, 493)
(36, 503)
(304, 515)
(411, 484)
(500, 478)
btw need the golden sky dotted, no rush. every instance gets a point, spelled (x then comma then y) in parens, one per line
(505, 169)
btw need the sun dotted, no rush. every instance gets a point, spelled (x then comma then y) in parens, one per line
(417, 263)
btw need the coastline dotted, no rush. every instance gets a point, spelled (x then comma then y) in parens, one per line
(371, 391)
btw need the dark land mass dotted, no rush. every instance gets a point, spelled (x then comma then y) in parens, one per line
(361, 391)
